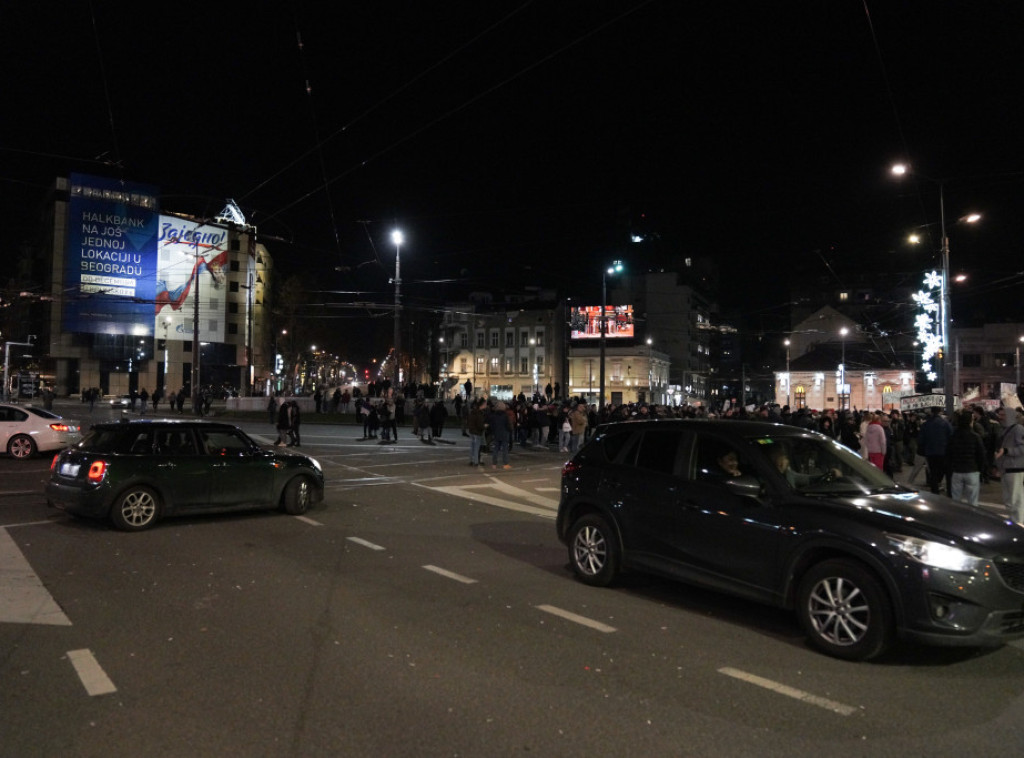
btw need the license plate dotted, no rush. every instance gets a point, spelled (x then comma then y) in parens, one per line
(69, 469)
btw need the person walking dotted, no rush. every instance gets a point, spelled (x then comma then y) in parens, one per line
(1009, 457)
(578, 426)
(874, 441)
(282, 424)
(965, 459)
(475, 425)
(272, 409)
(501, 435)
(294, 421)
(932, 442)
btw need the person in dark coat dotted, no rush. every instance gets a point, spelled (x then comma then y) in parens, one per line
(294, 420)
(501, 435)
(965, 460)
(283, 424)
(438, 415)
(423, 422)
(931, 443)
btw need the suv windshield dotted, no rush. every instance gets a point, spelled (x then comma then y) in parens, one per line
(813, 465)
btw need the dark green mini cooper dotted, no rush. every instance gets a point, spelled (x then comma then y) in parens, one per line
(135, 472)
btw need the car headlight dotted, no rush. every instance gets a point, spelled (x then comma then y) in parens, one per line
(935, 554)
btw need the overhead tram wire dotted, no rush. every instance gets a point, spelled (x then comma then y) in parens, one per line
(479, 96)
(318, 142)
(106, 94)
(380, 103)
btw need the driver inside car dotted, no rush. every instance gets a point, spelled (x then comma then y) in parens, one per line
(796, 480)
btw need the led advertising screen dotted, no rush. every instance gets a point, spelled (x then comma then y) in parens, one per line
(190, 256)
(585, 322)
(110, 265)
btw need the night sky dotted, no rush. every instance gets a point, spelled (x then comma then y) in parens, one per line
(522, 142)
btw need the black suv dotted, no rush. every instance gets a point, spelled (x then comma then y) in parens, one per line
(135, 472)
(791, 518)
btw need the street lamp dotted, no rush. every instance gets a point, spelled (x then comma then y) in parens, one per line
(1016, 361)
(789, 379)
(397, 238)
(901, 169)
(615, 268)
(842, 370)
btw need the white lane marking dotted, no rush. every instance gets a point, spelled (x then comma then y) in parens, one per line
(308, 520)
(364, 543)
(450, 574)
(94, 679)
(34, 523)
(23, 597)
(782, 689)
(577, 619)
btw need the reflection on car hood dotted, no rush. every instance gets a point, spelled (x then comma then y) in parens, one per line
(917, 512)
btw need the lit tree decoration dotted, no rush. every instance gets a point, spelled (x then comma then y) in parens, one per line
(929, 321)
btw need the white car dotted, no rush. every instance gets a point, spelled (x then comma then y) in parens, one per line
(26, 430)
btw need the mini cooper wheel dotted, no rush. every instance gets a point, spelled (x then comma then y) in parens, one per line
(21, 446)
(136, 509)
(845, 611)
(297, 496)
(594, 551)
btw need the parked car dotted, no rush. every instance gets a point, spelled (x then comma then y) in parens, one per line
(791, 518)
(135, 472)
(26, 429)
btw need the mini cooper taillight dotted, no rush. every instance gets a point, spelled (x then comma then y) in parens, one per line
(97, 470)
(53, 463)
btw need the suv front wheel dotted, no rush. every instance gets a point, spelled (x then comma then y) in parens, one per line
(844, 610)
(594, 551)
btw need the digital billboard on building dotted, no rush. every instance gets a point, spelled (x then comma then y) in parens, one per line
(110, 263)
(585, 322)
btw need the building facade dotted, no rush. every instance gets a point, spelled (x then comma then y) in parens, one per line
(132, 289)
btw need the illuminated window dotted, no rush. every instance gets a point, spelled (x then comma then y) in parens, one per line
(844, 296)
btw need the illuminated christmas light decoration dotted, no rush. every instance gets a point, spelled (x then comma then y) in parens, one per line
(929, 321)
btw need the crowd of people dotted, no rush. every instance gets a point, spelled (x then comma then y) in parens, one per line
(955, 455)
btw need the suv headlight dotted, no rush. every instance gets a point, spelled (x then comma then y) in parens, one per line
(935, 554)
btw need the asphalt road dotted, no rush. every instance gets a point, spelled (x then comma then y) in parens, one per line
(426, 608)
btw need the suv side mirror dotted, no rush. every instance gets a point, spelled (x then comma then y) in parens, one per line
(744, 486)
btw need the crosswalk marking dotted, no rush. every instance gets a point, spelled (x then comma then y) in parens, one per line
(23, 598)
(535, 503)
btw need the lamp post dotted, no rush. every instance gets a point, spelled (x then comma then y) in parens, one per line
(789, 379)
(842, 370)
(1016, 361)
(615, 268)
(901, 169)
(397, 238)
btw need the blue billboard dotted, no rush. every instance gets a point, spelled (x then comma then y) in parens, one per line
(111, 258)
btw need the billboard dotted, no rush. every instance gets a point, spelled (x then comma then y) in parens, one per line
(190, 256)
(110, 263)
(585, 322)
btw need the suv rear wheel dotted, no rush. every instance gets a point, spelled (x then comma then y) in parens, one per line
(594, 551)
(844, 610)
